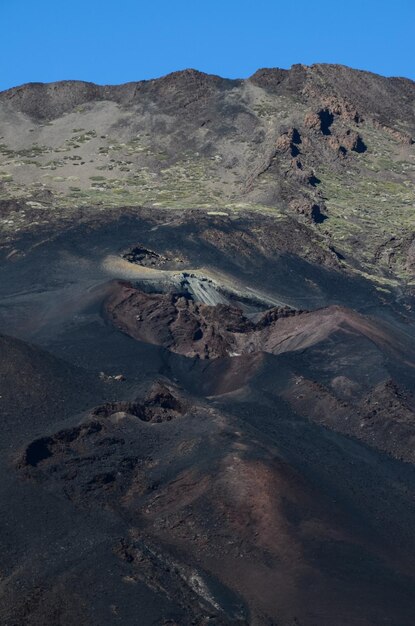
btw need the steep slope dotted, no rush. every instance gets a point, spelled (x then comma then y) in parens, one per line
(218, 520)
(322, 144)
(207, 389)
(34, 386)
(187, 509)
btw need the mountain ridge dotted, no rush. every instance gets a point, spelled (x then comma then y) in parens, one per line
(270, 77)
(207, 314)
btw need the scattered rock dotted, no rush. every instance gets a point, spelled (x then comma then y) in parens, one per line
(313, 211)
(110, 377)
(402, 137)
(288, 142)
(162, 404)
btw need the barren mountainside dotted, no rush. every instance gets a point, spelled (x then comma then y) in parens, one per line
(207, 351)
(323, 144)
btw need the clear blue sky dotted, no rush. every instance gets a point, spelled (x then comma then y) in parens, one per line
(112, 42)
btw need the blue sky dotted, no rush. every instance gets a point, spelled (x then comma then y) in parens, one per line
(112, 42)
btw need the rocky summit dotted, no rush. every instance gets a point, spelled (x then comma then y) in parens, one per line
(207, 351)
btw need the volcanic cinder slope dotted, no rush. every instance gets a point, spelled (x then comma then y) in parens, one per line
(207, 357)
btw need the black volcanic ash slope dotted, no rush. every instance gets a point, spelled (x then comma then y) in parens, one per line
(207, 405)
